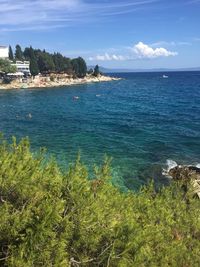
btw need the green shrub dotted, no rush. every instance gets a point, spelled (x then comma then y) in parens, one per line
(51, 218)
(52, 79)
(6, 67)
(7, 80)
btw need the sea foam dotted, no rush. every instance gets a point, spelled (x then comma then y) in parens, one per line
(170, 164)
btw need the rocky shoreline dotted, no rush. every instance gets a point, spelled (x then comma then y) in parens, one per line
(55, 81)
(188, 175)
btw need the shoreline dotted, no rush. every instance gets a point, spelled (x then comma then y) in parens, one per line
(45, 82)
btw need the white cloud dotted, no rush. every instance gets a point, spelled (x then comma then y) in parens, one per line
(139, 51)
(31, 14)
(36, 14)
(107, 57)
(171, 43)
(163, 43)
(145, 51)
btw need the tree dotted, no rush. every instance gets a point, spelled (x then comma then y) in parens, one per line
(67, 65)
(34, 69)
(75, 66)
(90, 71)
(26, 53)
(82, 67)
(59, 62)
(42, 61)
(45, 62)
(96, 71)
(18, 53)
(79, 67)
(11, 56)
(6, 67)
(76, 221)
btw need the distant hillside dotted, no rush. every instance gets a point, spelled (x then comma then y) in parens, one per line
(117, 70)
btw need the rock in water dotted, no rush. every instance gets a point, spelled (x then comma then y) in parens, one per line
(190, 174)
(185, 173)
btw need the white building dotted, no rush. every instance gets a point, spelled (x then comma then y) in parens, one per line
(23, 66)
(4, 52)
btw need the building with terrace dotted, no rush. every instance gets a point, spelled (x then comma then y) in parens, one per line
(23, 66)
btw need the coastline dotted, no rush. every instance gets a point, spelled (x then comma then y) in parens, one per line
(46, 82)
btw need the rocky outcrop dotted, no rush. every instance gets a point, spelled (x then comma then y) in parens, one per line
(56, 81)
(187, 174)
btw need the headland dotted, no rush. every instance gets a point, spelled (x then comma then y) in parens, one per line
(55, 80)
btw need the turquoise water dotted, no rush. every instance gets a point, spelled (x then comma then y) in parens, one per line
(140, 121)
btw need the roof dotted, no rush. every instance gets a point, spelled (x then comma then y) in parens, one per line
(16, 74)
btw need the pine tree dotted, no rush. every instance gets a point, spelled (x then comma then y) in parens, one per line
(79, 67)
(11, 56)
(82, 67)
(34, 69)
(18, 53)
(45, 62)
(96, 71)
(27, 53)
(42, 61)
(76, 221)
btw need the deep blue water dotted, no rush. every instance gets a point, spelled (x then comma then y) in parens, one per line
(140, 121)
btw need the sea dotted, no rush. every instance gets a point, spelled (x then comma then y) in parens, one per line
(144, 122)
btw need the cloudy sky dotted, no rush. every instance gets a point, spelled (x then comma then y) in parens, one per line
(113, 33)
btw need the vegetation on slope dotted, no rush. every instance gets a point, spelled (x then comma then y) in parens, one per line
(6, 67)
(44, 62)
(50, 218)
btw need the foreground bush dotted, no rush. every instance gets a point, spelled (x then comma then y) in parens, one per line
(50, 218)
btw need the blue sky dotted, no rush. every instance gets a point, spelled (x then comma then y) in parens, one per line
(113, 33)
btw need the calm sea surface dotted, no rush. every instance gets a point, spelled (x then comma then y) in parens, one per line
(140, 121)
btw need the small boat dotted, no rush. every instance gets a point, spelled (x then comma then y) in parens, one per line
(76, 97)
(165, 76)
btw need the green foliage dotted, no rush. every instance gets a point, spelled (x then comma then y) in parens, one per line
(52, 79)
(11, 56)
(90, 71)
(79, 67)
(96, 71)
(34, 69)
(29, 54)
(45, 62)
(6, 67)
(62, 64)
(50, 218)
(7, 80)
(18, 53)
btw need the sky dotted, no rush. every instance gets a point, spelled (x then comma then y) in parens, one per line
(132, 34)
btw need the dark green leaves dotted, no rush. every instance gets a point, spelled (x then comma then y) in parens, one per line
(50, 218)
